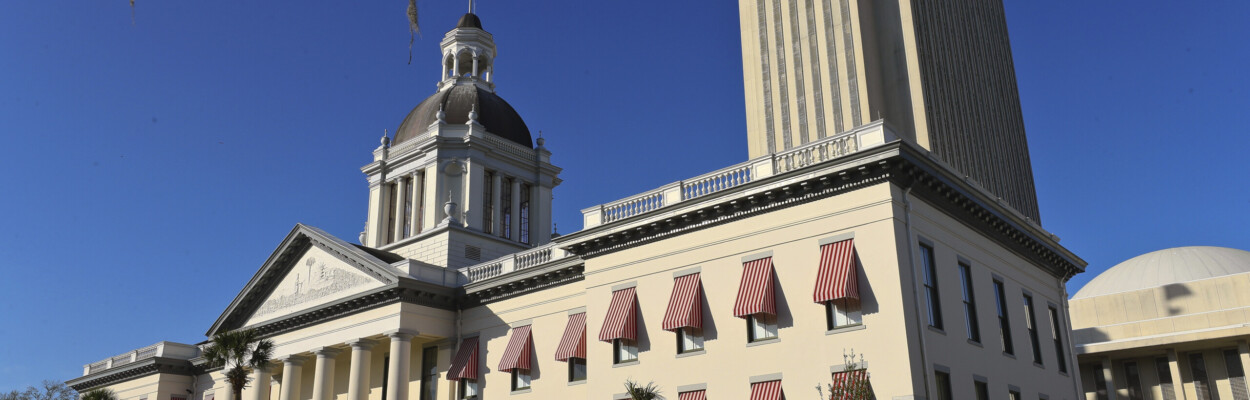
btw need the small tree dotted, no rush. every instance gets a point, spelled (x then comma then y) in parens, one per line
(239, 353)
(640, 392)
(853, 384)
(99, 394)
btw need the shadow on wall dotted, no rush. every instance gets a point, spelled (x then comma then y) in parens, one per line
(785, 318)
(1173, 292)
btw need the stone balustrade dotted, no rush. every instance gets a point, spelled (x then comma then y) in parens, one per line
(830, 148)
(513, 262)
(161, 349)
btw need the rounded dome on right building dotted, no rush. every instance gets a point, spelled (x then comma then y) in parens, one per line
(1169, 324)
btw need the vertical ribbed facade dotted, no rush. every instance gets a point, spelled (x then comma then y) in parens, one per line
(939, 72)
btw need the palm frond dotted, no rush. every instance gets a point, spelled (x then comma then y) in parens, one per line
(99, 394)
(413, 27)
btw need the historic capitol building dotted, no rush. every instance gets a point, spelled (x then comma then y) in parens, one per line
(887, 207)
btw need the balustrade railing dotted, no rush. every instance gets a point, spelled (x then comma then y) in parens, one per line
(716, 181)
(513, 262)
(815, 153)
(633, 206)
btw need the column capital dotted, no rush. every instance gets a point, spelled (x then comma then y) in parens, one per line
(322, 352)
(402, 335)
(362, 344)
(293, 360)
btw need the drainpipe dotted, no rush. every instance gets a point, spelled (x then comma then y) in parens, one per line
(915, 293)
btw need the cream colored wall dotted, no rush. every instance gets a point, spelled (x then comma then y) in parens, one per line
(950, 347)
(1217, 374)
(152, 387)
(1151, 315)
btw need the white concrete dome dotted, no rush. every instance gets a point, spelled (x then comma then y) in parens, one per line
(1168, 266)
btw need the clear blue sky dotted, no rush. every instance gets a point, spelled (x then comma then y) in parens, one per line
(147, 170)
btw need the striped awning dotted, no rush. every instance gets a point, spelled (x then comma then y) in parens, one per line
(693, 395)
(518, 356)
(847, 383)
(573, 343)
(685, 305)
(464, 366)
(621, 322)
(838, 277)
(755, 292)
(770, 390)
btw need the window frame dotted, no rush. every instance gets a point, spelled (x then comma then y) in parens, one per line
(619, 347)
(971, 322)
(1057, 337)
(684, 332)
(517, 374)
(753, 320)
(1004, 318)
(464, 386)
(832, 309)
(573, 363)
(942, 381)
(488, 202)
(928, 260)
(1030, 324)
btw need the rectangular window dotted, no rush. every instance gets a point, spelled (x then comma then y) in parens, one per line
(1056, 335)
(468, 389)
(1236, 375)
(1202, 386)
(624, 350)
(393, 195)
(1132, 379)
(1100, 383)
(505, 206)
(419, 180)
(842, 313)
(970, 304)
(1004, 328)
(386, 373)
(577, 369)
(1030, 322)
(520, 379)
(488, 202)
(525, 213)
(982, 389)
(405, 197)
(1013, 395)
(1164, 370)
(689, 340)
(943, 381)
(429, 370)
(761, 327)
(930, 286)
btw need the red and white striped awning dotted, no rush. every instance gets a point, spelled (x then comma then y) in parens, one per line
(464, 366)
(621, 322)
(693, 395)
(518, 356)
(770, 390)
(847, 383)
(755, 292)
(838, 277)
(685, 305)
(573, 343)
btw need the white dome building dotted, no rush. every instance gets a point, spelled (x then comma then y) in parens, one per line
(1170, 324)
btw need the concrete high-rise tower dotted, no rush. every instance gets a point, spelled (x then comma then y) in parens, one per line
(939, 72)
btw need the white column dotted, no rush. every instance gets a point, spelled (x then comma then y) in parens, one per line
(399, 209)
(415, 199)
(1108, 376)
(292, 369)
(495, 194)
(516, 209)
(260, 383)
(358, 380)
(401, 354)
(475, 66)
(1243, 349)
(455, 65)
(323, 376)
(1174, 366)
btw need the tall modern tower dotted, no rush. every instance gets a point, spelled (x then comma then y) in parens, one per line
(938, 72)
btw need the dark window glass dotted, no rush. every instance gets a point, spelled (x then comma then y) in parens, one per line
(1100, 382)
(386, 374)
(983, 390)
(1164, 371)
(488, 202)
(577, 369)
(1004, 328)
(1236, 375)
(406, 198)
(943, 381)
(1202, 386)
(970, 304)
(525, 213)
(429, 371)
(390, 212)
(1013, 395)
(930, 286)
(505, 206)
(1030, 322)
(1132, 379)
(1056, 336)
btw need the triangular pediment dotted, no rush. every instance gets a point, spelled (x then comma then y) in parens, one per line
(308, 270)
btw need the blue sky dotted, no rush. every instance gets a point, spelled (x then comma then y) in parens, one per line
(147, 170)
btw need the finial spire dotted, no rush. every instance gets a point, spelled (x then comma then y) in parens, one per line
(470, 6)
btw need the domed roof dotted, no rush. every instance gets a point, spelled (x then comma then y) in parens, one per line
(469, 20)
(492, 112)
(1168, 266)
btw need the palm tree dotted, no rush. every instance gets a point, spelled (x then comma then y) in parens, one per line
(240, 352)
(99, 394)
(639, 392)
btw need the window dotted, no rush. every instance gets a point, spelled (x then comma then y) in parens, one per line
(943, 381)
(1236, 375)
(1100, 382)
(525, 213)
(505, 200)
(386, 374)
(1013, 394)
(1031, 323)
(1004, 328)
(1132, 378)
(930, 286)
(577, 369)
(488, 202)
(1202, 386)
(1164, 371)
(468, 389)
(419, 201)
(761, 326)
(842, 313)
(520, 379)
(689, 339)
(970, 304)
(624, 350)
(429, 368)
(982, 389)
(1055, 335)
(407, 215)
(390, 212)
